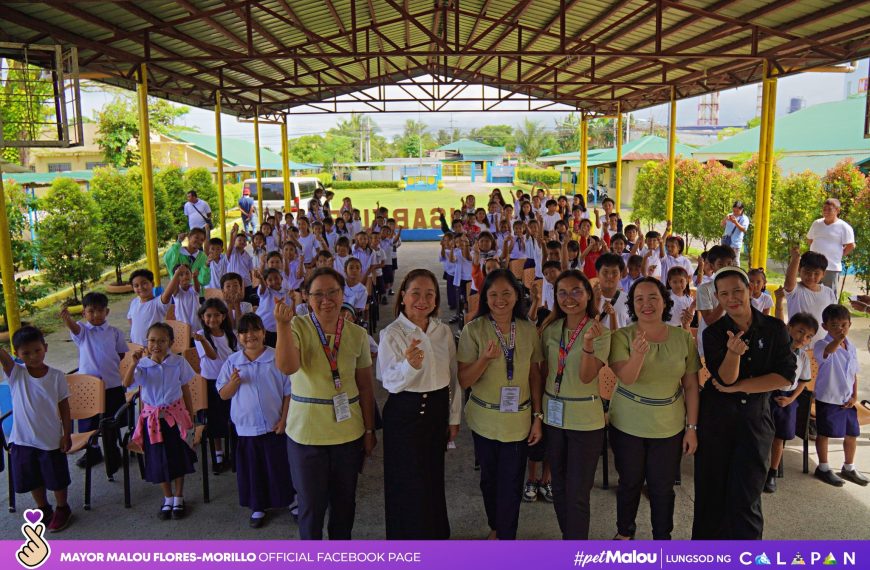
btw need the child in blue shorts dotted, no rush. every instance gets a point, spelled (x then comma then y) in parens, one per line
(41, 428)
(802, 327)
(836, 395)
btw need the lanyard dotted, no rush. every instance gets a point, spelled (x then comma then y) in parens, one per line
(508, 349)
(564, 350)
(612, 304)
(331, 355)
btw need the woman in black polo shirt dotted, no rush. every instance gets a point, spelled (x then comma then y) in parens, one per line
(748, 355)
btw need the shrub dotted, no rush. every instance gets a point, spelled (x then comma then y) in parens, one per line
(200, 180)
(361, 184)
(17, 204)
(795, 204)
(168, 225)
(70, 237)
(171, 179)
(121, 219)
(325, 178)
(548, 176)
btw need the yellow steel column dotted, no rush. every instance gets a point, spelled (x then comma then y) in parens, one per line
(259, 172)
(147, 176)
(285, 167)
(768, 172)
(220, 164)
(7, 271)
(758, 214)
(583, 175)
(672, 158)
(618, 157)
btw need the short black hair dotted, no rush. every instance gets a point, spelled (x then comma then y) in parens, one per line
(251, 322)
(231, 276)
(27, 335)
(273, 255)
(635, 260)
(142, 273)
(554, 244)
(216, 241)
(269, 272)
(551, 202)
(551, 265)
(652, 234)
(665, 294)
(836, 312)
(609, 260)
(163, 327)
(608, 199)
(617, 236)
(95, 300)
(629, 228)
(718, 252)
(813, 260)
(805, 319)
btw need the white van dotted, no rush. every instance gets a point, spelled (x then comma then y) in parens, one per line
(301, 191)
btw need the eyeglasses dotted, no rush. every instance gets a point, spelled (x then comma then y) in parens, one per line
(575, 293)
(332, 295)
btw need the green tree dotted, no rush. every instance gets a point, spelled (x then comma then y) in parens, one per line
(171, 179)
(747, 166)
(119, 125)
(860, 258)
(414, 134)
(601, 133)
(23, 110)
(494, 135)
(167, 224)
(567, 134)
(17, 205)
(844, 181)
(797, 202)
(710, 199)
(70, 237)
(120, 216)
(199, 180)
(531, 138)
(648, 202)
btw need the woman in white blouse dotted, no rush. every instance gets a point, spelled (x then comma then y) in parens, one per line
(417, 366)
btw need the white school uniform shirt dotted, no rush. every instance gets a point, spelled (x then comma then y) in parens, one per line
(705, 300)
(241, 263)
(550, 220)
(143, 315)
(621, 308)
(209, 368)
(763, 302)
(216, 269)
(356, 295)
(257, 258)
(331, 238)
(836, 373)
(338, 264)
(310, 247)
(803, 300)
(462, 267)
(548, 295)
(257, 404)
(804, 371)
(196, 213)
(266, 308)
(519, 249)
(272, 244)
(290, 280)
(534, 251)
(161, 382)
(387, 249)
(364, 256)
(36, 419)
(449, 266)
(830, 239)
(378, 257)
(681, 303)
(667, 262)
(356, 227)
(99, 347)
(439, 361)
(187, 306)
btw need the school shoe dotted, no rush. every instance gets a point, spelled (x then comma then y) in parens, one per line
(855, 476)
(391, 293)
(828, 477)
(179, 511)
(165, 512)
(530, 492)
(257, 522)
(47, 513)
(546, 491)
(61, 519)
(770, 483)
(92, 456)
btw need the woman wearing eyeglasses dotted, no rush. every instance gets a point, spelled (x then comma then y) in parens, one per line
(499, 352)
(331, 419)
(654, 410)
(573, 414)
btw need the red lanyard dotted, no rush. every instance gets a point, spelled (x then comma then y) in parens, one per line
(331, 355)
(564, 350)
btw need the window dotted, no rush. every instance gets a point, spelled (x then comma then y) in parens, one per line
(59, 166)
(93, 165)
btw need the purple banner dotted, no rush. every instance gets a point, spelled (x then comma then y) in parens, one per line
(35, 550)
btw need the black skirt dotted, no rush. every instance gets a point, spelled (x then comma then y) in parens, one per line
(415, 441)
(168, 460)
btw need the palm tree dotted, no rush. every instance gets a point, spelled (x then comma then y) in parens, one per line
(530, 137)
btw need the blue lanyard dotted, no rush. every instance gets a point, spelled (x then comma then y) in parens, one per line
(508, 349)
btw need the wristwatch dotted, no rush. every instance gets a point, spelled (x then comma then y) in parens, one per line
(538, 415)
(692, 426)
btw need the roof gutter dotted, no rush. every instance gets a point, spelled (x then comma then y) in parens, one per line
(852, 66)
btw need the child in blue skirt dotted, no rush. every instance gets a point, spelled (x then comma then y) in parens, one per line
(260, 396)
(166, 417)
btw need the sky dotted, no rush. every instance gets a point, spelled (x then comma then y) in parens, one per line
(736, 107)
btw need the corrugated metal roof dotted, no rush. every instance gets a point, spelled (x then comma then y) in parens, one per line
(279, 55)
(649, 147)
(466, 146)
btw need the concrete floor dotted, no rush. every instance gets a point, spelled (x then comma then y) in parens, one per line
(802, 508)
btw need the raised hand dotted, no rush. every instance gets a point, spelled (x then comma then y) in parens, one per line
(138, 354)
(181, 236)
(779, 293)
(687, 315)
(65, 315)
(594, 331)
(198, 337)
(735, 343)
(283, 312)
(492, 351)
(235, 377)
(639, 345)
(414, 355)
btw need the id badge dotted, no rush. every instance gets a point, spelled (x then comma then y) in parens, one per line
(341, 406)
(555, 409)
(510, 399)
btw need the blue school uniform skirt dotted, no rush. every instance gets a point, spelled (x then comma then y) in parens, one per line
(168, 460)
(263, 472)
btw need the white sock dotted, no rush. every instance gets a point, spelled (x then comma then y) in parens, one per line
(177, 501)
(848, 466)
(219, 456)
(824, 467)
(258, 515)
(167, 502)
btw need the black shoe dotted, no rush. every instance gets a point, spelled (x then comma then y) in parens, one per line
(391, 293)
(770, 484)
(256, 523)
(47, 514)
(854, 476)
(179, 511)
(384, 300)
(92, 456)
(165, 512)
(828, 477)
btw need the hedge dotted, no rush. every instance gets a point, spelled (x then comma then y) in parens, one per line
(360, 184)
(325, 178)
(548, 176)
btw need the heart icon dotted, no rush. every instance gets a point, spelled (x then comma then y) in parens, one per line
(33, 516)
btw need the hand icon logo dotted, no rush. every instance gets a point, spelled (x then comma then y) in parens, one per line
(35, 550)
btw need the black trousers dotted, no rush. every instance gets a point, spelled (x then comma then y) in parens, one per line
(573, 457)
(502, 474)
(325, 478)
(734, 439)
(451, 291)
(656, 461)
(415, 440)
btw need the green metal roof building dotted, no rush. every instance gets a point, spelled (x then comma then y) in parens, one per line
(466, 150)
(815, 138)
(238, 152)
